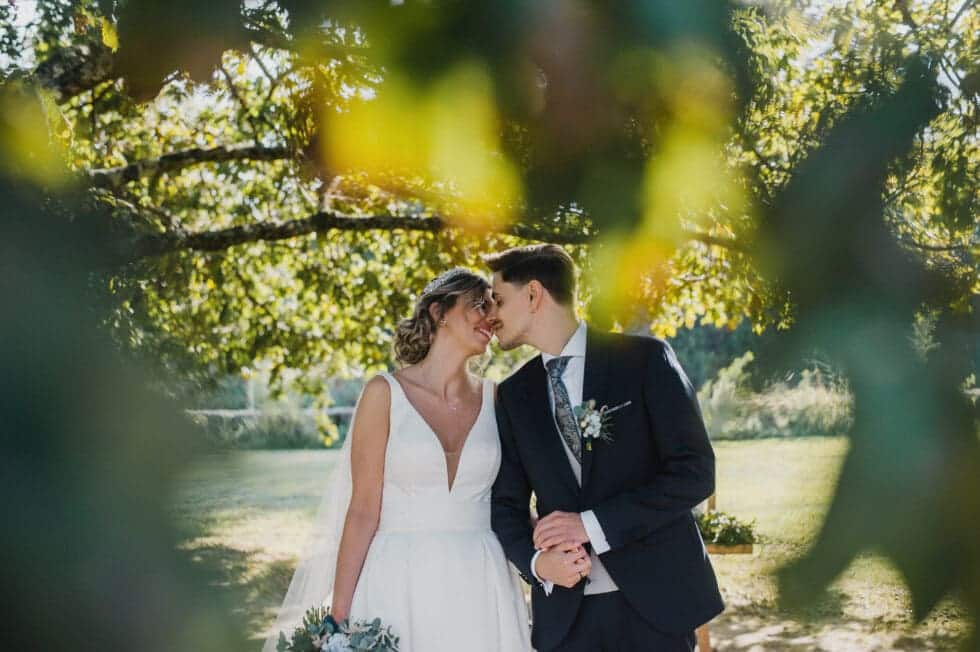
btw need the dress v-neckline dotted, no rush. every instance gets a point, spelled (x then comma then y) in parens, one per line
(432, 431)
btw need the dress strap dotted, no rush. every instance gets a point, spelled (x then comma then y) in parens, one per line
(393, 383)
(397, 396)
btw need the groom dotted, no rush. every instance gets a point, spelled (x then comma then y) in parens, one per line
(616, 559)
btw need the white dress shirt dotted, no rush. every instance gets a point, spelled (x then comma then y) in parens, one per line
(574, 379)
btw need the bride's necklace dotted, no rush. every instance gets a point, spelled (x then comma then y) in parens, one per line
(452, 405)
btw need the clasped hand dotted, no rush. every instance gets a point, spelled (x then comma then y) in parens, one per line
(564, 560)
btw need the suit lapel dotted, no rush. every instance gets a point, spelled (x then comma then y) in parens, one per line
(537, 409)
(593, 387)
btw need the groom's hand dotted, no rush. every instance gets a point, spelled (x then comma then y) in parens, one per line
(559, 527)
(566, 565)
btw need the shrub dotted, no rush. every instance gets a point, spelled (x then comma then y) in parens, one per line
(724, 529)
(266, 431)
(814, 403)
(705, 349)
(280, 431)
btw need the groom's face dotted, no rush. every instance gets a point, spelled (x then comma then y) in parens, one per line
(511, 312)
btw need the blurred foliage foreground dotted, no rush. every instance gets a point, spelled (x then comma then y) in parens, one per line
(208, 184)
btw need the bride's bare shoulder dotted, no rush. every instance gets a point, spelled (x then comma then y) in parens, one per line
(376, 392)
(370, 419)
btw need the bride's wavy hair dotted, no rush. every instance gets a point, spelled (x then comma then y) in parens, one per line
(413, 336)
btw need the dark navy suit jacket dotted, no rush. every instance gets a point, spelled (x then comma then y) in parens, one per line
(641, 486)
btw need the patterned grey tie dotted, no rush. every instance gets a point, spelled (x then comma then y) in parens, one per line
(564, 414)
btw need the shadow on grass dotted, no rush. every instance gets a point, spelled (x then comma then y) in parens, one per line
(254, 585)
(826, 626)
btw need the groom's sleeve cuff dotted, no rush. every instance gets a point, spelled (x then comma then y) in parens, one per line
(545, 584)
(596, 536)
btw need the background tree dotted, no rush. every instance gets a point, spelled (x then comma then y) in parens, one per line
(283, 176)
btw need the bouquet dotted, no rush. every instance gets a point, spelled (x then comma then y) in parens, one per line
(321, 632)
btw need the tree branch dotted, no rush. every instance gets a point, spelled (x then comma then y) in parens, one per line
(273, 83)
(966, 5)
(246, 113)
(75, 69)
(155, 245)
(117, 176)
(322, 222)
(931, 247)
(715, 241)
(944, 62)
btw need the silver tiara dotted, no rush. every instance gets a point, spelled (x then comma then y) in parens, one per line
(445, 278)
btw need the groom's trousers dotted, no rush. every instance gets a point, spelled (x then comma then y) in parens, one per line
(607, 623)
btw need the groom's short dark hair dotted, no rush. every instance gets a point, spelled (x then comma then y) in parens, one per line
(548, 264)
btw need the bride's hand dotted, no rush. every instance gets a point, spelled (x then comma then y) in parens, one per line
(565, 565)
(339, 614)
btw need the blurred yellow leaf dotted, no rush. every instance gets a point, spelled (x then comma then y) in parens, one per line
(686, 177)
(109, 35)
(626, 267)
(28, 149)
(447, 133)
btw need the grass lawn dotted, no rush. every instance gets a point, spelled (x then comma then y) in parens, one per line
(786, 486)
(246, 515)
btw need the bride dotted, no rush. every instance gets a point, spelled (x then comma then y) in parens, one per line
(403, 533)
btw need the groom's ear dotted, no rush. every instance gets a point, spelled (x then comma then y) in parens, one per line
(535, 294)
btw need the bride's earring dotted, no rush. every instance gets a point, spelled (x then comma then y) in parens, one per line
(442, 322)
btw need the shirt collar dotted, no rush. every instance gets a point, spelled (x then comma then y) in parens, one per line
(575, 347)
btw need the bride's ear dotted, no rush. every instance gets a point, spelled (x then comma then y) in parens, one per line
(436, 312)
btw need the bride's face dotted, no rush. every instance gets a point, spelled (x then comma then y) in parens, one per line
(467, 322)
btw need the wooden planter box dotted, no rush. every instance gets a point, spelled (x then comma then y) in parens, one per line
(738, 549)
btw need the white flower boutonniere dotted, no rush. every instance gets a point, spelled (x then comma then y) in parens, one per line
(594, 423)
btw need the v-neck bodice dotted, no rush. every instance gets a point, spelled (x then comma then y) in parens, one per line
(450, 477)
(435, 571)
(416, 476)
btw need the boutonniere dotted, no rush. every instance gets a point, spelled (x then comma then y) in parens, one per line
(595, 423)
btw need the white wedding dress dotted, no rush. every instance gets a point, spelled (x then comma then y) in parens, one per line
(435, 570)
